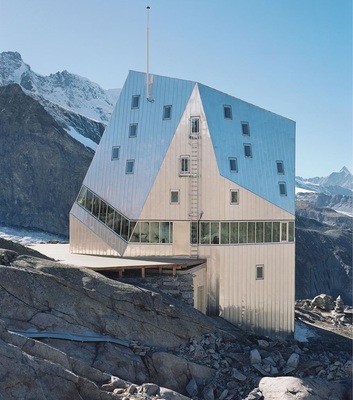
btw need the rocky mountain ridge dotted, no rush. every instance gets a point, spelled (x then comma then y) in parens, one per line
(337, 183)
(80, 106)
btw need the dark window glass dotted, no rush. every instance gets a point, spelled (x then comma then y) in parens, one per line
(117, 223)
(245, 128)
(193, 233)
(184, 165)
(234, 198)
(280, 167)
(133, 130)
(225, 232)
(110, 217)
(135, 102)
(130, 166)
(145, 234)
(89, 201)
(282, 189)
(276, 232)
(251, 232)
(259, 232)
(268, 232)
(167, 112)
(247, 150)
(96, 204)
(164, 232)
(174, 196)
(227, 112)
(195, 125)
(154, 232)
(234, 238)
(205, 233)
(215, 232)
(284, 231)
(242, 232)
(291, 231)
(115, 152)
(81, 199)
(259, 272)
(103, 211)
(233, 165)
(135, 235)
(124, 228)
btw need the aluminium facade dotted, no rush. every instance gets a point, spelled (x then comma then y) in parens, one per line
(197, 173)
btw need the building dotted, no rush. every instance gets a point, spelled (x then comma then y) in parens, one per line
(193, 172)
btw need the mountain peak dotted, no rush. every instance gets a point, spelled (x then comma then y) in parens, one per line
(345, 170)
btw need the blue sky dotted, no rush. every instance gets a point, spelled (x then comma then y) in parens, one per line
(292, 57)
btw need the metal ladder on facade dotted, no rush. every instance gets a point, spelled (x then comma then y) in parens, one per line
(194, 213)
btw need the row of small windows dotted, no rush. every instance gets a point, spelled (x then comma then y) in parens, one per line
(220, 232)
(175, 195)
(132, 231)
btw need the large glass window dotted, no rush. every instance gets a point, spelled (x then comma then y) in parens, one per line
(215, 232)
(81, 199)
(224, 232)
(164, 232)
(291, 232)
(243, 232)
(259, 232)
(268, 232)
(284, 231)
(251, 232)
(194, 233)
(205, 232)
(276, 232)
(145, 234)
(234, 236)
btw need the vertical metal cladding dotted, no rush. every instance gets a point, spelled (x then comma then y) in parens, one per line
(262, 304)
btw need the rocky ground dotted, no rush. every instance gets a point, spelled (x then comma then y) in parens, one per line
(102, 339)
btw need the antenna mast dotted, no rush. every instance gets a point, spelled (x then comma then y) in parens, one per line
(148, 83)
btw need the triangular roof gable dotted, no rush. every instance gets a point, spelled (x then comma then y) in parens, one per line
(107, 178)
(272, 138)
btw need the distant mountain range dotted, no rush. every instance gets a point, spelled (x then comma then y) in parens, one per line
(82, 108)
(340, 183)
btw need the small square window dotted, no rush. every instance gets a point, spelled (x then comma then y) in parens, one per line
(185, 165)
(133, 130)
(247, 150)
(245, 128)
(135, 102)
(195, 125)
(130, 166)
(234, 196)
(233, 165)
(259, 272)
(280, 167)
(174, 197)
(115, 152)
(167, 112)
(282, 188)
(227, 112)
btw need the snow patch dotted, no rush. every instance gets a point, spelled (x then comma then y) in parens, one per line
(27, 236)
(82, 139)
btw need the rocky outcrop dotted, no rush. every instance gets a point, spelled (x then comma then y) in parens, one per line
(42, 167)
(102, 339)
(323, 260)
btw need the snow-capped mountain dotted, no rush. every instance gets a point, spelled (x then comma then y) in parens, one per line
(340, 183)
(80, 106)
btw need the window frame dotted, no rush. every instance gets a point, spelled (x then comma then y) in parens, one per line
(245, 124)
(197, 123)
(167, 107)
(280, 162)
(233, 159)
(225, 113)
(135, 97)
(261, 276)
(247, 146)
(127, 170)
(280, 186)
(181, 171)
(114, 148)
(171, 196)
(135, 126)
(231, 196)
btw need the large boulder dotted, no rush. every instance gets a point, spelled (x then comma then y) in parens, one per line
(323, 302)
(291, 388)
